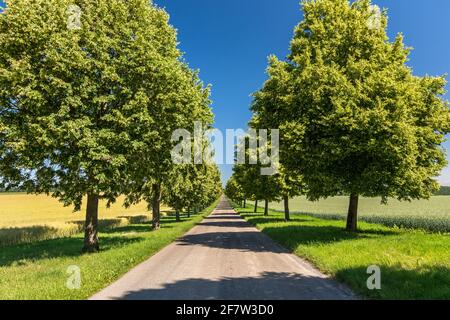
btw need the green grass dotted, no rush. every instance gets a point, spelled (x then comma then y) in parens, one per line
(38, 270)
(431, 215)
(414, 264)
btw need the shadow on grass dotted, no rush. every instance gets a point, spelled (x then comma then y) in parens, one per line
(110, 224)
(425, 283)
(299, 231)
(267, 286)
(134, 228)
(65, 247)
(31, 234)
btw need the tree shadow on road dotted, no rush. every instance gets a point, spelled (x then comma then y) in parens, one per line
(225, 222)
(252, 241)
(267, 286)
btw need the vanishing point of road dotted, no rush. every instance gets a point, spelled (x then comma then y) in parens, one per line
(224, 258)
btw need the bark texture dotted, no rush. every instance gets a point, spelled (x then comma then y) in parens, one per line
(287, 216)
(91, 225)
(156, 206)
(266, 207)
(352, 217)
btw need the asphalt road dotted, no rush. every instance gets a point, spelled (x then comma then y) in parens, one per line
(224, 258)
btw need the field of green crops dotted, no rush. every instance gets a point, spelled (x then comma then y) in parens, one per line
(431, 215)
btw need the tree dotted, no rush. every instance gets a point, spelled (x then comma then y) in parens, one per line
(363, 124)
(192, 186)
(80, 106)
(187, 102)
(246, 186)
(268, 112)
(212, 185)
(253, 184)
(290, 186)
(234, 191)
(179, 189)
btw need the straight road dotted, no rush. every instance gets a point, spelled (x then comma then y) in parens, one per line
(224, 258)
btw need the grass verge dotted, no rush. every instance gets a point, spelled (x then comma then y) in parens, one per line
(414, 264)
(39, 270)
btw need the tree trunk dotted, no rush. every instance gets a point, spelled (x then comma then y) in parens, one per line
(352, 218)
(286, 209)
(156, 207)
(266, 207)
(91, 225)
(189, 212)
(245, 203)
(256, 206)
(177, 215)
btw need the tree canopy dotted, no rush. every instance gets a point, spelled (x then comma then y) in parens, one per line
(353, 117)
(89, 111)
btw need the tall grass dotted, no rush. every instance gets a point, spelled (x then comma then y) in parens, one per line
(29, 234)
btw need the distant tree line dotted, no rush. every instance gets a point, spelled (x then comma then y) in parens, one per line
(444, 191)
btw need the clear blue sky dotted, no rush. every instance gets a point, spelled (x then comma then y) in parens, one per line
(229, 41)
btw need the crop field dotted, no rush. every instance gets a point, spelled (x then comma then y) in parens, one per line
(430, 215)
(27, 218)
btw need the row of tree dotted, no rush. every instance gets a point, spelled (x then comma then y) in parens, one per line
(353, 118)
(87, 111)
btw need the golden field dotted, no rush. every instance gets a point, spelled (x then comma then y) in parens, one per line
(25, 218)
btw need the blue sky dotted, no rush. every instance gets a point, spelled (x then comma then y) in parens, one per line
(229, 42)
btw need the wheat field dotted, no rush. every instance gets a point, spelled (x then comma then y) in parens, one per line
(26, 218)
(431, 215)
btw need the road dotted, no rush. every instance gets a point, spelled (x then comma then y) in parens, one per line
(224, 258)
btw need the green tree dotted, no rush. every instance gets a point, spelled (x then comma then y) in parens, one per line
(253, 184)
(244, 185)
(363, 124)
(186, 101)
(268, 108)
(234, 191)
(80, 106)
(290, 186)
(212, 185)
(192, 186)
(179, 189)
